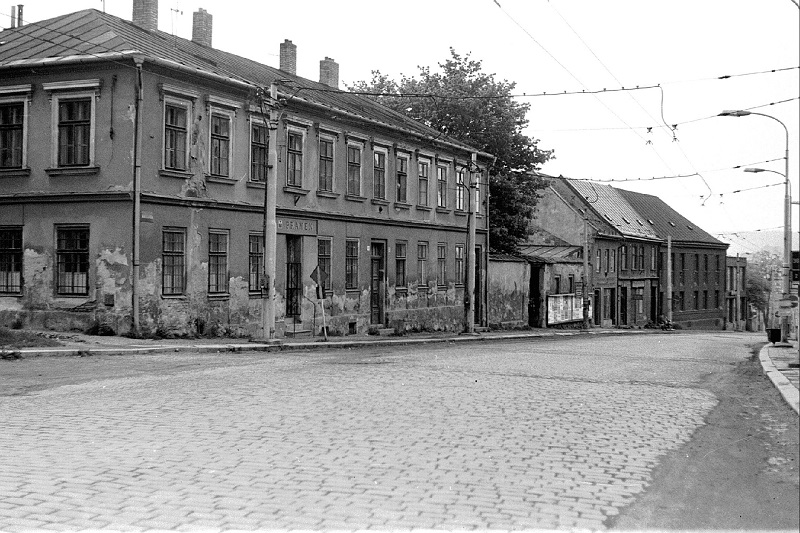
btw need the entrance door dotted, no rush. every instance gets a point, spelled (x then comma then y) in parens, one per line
(653, 305)
(623, 306)
(294, 266)
(597, 308)
(534, 299)
(377, 283)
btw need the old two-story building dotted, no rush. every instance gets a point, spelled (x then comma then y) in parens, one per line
(156, 183)
(626, 236)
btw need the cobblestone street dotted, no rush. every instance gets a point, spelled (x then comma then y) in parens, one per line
(551, 434)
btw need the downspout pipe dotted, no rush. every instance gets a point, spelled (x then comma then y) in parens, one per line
(137, 196)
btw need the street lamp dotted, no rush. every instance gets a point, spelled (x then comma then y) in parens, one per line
(787, 215)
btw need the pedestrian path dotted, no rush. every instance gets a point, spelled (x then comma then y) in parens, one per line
(780, 365)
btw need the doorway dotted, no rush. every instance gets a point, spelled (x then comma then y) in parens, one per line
(377, 294)
(294, 267)
(478, 316)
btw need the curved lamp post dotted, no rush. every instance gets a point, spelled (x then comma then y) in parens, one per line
(787, 214)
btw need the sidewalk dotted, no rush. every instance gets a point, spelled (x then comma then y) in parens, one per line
(775, 360)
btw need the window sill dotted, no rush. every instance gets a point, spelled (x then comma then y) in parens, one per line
(221, 179)
(72, 171)
(173, 296)
(219, 296)
(402, 205)
(180, 174)
(461, 213)
(328, 194)
(443, 210)
(379, 201)
(15, 172)
(423, 208)
(10, 294)
(255, 184)
(295, 190)
(355, 198)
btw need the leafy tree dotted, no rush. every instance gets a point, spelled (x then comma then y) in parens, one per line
(469, 105)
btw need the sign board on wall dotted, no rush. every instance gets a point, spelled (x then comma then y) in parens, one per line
(563, 308)
(296, 226)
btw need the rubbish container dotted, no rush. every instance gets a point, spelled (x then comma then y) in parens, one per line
(774, 335)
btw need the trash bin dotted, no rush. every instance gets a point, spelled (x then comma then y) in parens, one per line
(774, 335)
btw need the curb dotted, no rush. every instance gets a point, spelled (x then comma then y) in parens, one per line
(784, 386)
(275, 346)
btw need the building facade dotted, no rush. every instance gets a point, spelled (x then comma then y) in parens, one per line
(136, 172)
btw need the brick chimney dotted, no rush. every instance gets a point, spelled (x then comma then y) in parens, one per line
(145, 14)
(288, 57)
(201, 27)
(19, 15)
(329, 72)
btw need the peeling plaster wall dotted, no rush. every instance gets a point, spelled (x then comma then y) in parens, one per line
(509, 285)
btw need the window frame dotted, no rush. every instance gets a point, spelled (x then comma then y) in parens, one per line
(401, 179)
(441, 265)
(82, 262)
(255, 261)
(351, 264)
(441, 186)
(187, 107)
(72, 90)
(173, 254)
(460, 191)
(355, 165)
(326, 184)
(328, 259)
(214, 288)
(261, 166)
(423, 178)
(11, 256)
(400, 264)
(230, 117)
(422, 265)
(459, 264)
(379, 184)
(24, 99)
(294, 156)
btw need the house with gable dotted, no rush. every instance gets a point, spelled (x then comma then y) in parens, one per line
(153, 184)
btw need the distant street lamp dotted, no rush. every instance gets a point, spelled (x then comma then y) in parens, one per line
(787, 215)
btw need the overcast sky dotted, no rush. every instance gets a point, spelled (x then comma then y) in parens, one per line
(570, 45)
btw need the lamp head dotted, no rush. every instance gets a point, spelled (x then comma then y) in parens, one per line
(754, 170)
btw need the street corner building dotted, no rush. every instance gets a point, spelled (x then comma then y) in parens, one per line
(155, 185)
(642, 262)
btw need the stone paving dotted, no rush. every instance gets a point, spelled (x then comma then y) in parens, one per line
(500, 436)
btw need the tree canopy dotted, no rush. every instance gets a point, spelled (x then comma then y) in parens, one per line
(471, 106)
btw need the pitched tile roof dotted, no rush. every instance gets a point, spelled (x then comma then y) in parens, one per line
(610, 204)
(91, 35)
(666, 222)
(552, 254)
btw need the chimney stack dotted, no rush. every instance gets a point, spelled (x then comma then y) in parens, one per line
(329, 72)
(13, 17)
(201, 27)
(19, 16)
(145, 14)
(288, 57)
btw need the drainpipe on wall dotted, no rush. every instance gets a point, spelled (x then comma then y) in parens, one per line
(137, 197)
(469, 286)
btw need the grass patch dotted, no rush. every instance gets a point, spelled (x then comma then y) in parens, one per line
(10, 339)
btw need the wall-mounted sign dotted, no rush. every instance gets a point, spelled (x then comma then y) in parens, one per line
(296, 226)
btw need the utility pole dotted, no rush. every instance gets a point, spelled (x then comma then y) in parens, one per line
(669, 279)
(585, 274)
(469, 285)
(270, 224)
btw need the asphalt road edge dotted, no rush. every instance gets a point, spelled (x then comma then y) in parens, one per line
(784, 386)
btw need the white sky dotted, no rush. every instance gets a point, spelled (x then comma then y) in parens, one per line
(683, 45)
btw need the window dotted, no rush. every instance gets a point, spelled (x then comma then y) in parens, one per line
(354, 170)
(718, 273)
(682, 300)
(623, 258)
(324, 254)
(12, 120)
(705, 299)
(10, 260)
(217, 262)
(705, 268)
(682, 272)
(402, 180)
(256, 262)
(653, 259)
(598, 260)
(459, 264)
(613, 261)
(716, 299)
(220, 145)
(571, 284)
(477, 207)
(441, 264)
(72, 258)
(697, 268)
(606, 259)
(556, 284)
(379, 175)
(173, 261)
(175, 136)
(422, 262)
(460, 191)
(400, 264)
(641, 257)
(74, 132)
(441, 186)
(326, 164)
(696, 299)
(351, 264)
(259, 153)
(294, 159)
(422, 175)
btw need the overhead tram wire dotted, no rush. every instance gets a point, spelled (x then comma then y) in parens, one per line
(657, 178)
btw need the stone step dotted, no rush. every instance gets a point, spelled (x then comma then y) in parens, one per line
(298, 333)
